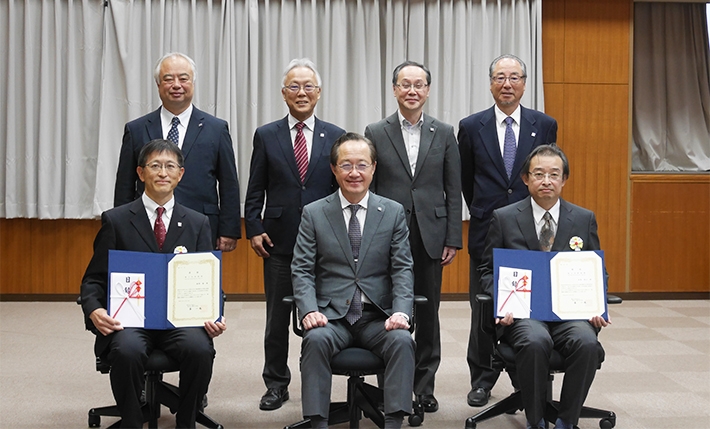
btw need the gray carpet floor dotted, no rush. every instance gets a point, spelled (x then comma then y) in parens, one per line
(656, 373)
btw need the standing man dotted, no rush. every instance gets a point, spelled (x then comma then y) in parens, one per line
(419, 167)
(494, 144)
(352, 278)
(544, 221)
(289, 168)
(154, 222)
(210, 185)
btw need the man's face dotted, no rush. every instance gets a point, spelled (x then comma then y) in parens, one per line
(411, 100)
(161, 175)
(175, 84)
(506, 94)
(546, 189)
(355, 155)
(301, 103)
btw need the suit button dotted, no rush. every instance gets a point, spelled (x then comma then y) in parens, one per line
(510, 191)
(409, 211)
(347, 301)
(303, 188)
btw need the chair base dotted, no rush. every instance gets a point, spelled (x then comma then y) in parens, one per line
(157, 392)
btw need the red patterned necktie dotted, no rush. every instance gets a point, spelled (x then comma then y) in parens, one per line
(300, 151)
(159, 228)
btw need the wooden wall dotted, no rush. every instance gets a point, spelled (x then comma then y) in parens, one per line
(586, 57)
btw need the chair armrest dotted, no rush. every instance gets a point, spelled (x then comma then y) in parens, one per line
(486, 314)
(295, 322)
(613, 299)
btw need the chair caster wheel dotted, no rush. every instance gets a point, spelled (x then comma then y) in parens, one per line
(415, 420)
(608, 422)
(94, 420)
(470, 424)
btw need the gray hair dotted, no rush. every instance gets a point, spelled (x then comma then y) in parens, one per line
(302, 62)
(156, 71)
(507, 56)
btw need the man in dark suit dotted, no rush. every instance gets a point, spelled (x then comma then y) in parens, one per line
(205, 143)
(544, 221)
(132, 226)
(419, 167)
(289, 168)
(353, 284)
(490, 179)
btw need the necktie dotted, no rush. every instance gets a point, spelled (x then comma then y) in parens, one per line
(300, 151)
(509, 146)
(159, 228)
(355, 311)
(547, 234)
(174, 134)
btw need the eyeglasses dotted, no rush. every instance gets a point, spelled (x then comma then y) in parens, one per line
(309, 87)
(362, 167)
(406, 86)
(540, 176)
(170, 167)
(514, 79)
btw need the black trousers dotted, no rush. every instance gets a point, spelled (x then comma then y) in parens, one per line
(277, 285)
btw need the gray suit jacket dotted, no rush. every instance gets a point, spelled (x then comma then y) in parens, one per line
(323, 269)
(434, 191)
(513, 227)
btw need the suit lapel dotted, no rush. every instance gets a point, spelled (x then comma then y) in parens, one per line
(564, 227)
(317, 145)
(283, 135)
(153, 125)
(394, 132)
(177, 221)
(194, 127)
(426, 137)
(142, 225)
(526, 223)
(489, 136)
(526, 139)
(334, 214)
(373, 218)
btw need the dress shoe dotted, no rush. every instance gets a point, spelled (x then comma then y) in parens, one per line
(478, 397)
(429, 403)
(273, 399)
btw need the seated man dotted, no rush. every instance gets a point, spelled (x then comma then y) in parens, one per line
(152, 223)
(555, 221)
(353, 283)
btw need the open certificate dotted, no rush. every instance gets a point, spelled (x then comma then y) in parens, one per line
(549, 286)
(164, 290)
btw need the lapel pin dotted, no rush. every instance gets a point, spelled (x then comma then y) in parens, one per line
(322, 134)
(431, 129)
(179, 224)
(533, 134)
(379, 209)
(200, 124)
(180, 249)
(576, 243)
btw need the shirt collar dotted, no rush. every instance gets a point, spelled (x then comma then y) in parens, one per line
(344, 203)
(539, 212)
(500, 116)
(151, 205)
(167, 117)
(310, 122)
(405, 123)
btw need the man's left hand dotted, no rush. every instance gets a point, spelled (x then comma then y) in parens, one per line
(215, 329)
(447, 256)
(226, 244)
(396, 321)
(599, 322)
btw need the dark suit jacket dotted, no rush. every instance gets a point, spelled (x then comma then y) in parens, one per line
(209, 160)
(434, 192)
(127, 228)
(513, 227)
(323, 270)
(274, 176)
(485, 184)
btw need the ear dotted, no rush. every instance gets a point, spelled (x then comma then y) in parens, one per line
(140, 172)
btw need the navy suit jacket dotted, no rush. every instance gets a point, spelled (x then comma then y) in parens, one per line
(513, 227)
(484, 182)
(127, 227)
(274, 177)
(209, 161)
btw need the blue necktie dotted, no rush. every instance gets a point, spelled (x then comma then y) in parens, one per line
(355, 311)
(174, 134)
(509, 146)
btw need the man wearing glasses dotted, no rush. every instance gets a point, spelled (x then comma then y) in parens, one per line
(493, 144)
(290, 167)
(419, 167)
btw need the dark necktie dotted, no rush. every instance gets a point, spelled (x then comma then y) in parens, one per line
(547, 234)
(174, 134)
(159, 228)
(355, 311)
(509, 146)
(301, 151)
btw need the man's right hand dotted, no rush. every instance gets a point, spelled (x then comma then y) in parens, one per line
(103, 322)
(314, 319)
(257, 243)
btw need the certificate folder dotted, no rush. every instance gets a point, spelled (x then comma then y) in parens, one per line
(164, 290)
(549, 286)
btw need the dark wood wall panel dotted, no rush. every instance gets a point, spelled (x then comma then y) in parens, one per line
(670, 233)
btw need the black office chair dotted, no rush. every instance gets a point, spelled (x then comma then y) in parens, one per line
(504, 359)
(362, 398)
(156, 393)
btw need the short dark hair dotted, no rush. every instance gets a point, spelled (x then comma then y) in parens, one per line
(395, 73)
(351, 137)
(547, 150)
(160, 146)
